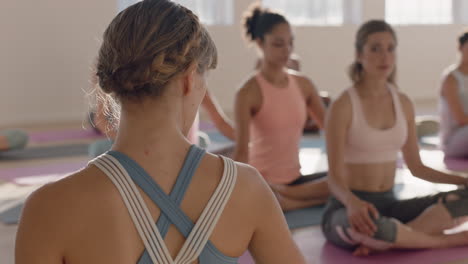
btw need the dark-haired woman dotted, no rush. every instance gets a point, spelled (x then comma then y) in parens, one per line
(153, 60)
(271, 109)
(454, 105)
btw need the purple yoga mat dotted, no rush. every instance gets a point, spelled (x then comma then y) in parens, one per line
(246, 259)
(206, 126)
(60, 135)
(456, 164)
(318, 251)
(332, 255)
(12, 174)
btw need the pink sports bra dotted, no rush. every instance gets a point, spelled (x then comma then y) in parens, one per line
(366, 144)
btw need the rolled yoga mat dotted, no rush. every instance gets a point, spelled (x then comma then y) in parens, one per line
(61, 135)
(12, 215)
(59, 151)
(304, 217)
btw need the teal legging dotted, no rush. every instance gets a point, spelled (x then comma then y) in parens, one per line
(16, 139)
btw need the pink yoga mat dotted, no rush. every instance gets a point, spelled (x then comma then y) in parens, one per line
(60, 135)
(331, 254)
(316, 250)
(246, 259)
(60, 169)
(456, 164)
(206, 126)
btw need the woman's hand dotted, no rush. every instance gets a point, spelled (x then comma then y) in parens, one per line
(360, 215)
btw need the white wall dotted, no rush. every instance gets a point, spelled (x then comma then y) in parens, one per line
(45, 52)
(47, 47)
(423, 52)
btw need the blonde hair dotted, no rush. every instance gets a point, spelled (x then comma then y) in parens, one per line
(147, 45)
(370, 27)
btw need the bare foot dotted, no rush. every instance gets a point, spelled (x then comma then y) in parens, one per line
(455, 240)
(362, 251)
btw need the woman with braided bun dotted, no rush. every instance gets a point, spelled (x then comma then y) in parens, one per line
(155, 197)
(271, 109)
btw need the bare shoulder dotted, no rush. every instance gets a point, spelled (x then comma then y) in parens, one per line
(60, 203)
(301, 78)
(449, 78)
(448, 83)
(253, 191)
(342, 103)
(52, 194)
(249, 176)
(307, 86)
(250, 192)
(249, 93)
(404, 99)
(407, 105)
(406, 102)
(249, 86)
(339, 114)
(46, 218)
(45, 213)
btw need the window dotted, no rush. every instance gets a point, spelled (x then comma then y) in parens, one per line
(210, 12)
(122, 4)
(405, 12)
(460, 11)
(318, 12)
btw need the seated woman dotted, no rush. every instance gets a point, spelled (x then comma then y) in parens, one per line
(13, 139)
(209, 209)
(366, 128)
(271, 110)
(454, 105)
(294, 63)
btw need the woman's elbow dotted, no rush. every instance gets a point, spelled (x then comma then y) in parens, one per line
(417, 169)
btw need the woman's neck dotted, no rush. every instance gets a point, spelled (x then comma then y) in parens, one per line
(373, 86)
(273, 73)
(146, 133)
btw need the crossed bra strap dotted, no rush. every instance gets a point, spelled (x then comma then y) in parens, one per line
(144, 223)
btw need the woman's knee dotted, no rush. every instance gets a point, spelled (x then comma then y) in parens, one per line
(343, 235)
